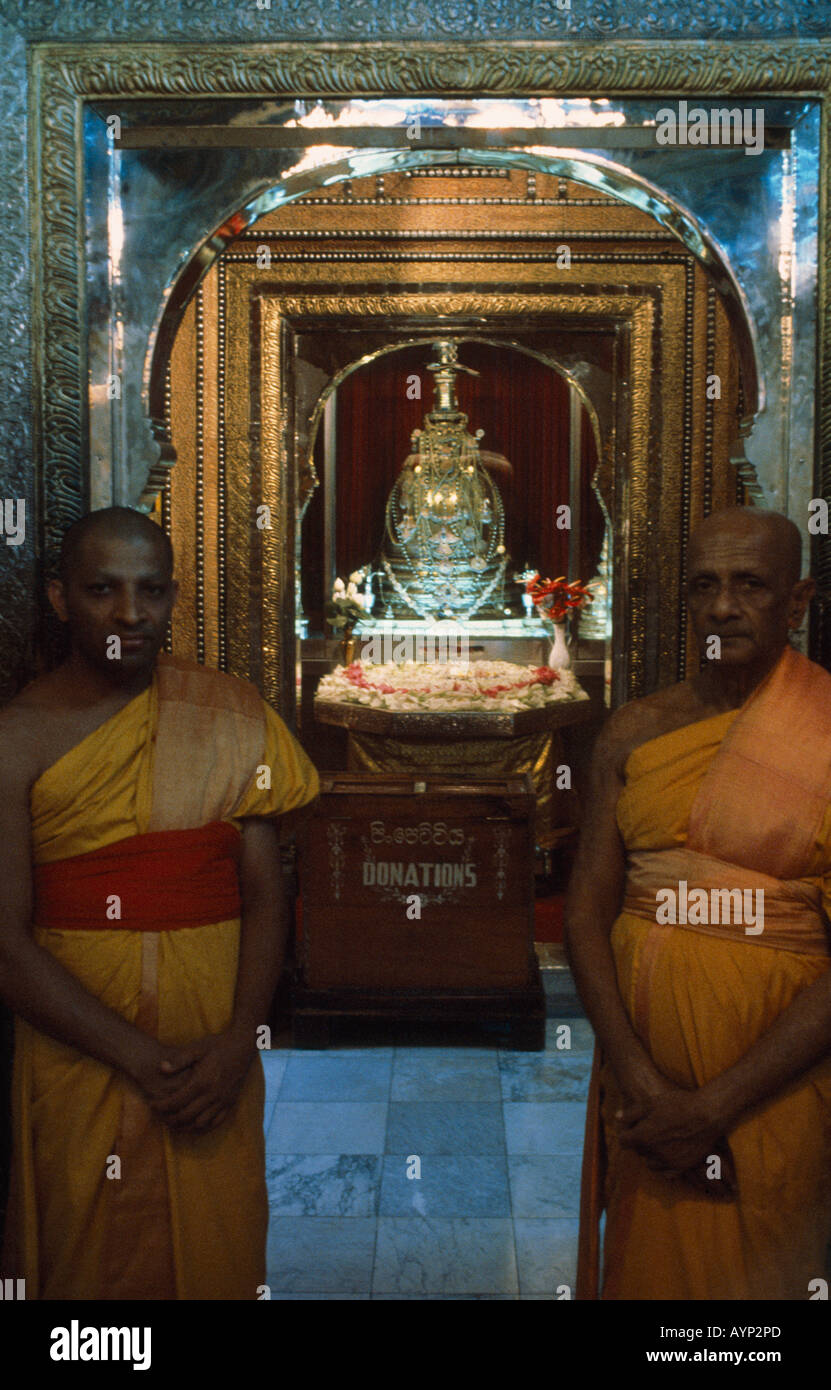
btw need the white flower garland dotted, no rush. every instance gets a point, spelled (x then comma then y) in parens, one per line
(449, 685)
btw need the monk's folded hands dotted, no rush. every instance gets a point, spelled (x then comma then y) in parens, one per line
(203, 1080)
(154, 1068)
(676, 1130)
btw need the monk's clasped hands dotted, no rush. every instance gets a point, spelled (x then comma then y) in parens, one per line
(676, 1132)
(194, 1087)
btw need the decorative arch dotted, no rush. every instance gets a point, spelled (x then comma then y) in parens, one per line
(613, 180)
(68, 82)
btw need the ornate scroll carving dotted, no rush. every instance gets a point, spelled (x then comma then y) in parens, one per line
(64, 76)
(417, 19)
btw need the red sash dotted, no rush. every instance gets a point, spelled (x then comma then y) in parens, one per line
(163, 881)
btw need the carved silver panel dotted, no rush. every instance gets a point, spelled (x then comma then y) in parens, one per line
(155, 209)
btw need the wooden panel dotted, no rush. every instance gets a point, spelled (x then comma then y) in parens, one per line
(463, 852)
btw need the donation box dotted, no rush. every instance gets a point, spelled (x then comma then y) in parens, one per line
(419, 885)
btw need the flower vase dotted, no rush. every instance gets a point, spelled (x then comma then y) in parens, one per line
(559, 658)
(347, 648)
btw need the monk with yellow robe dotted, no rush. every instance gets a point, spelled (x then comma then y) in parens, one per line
(698, 930)
(141, 945)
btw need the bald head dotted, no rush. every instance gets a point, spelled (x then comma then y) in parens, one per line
(779, 537)
(744, 589)
(112, 523)
(116, 593)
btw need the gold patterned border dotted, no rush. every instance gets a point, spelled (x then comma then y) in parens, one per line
(278, 543)
(64, 76)
(666, 275)
(630, 486)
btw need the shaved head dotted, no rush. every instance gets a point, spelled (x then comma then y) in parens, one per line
(779, 535)
(117, 523)
(115, 592)
(744, 592)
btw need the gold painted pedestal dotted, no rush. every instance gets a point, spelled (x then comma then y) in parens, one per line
(468, 745)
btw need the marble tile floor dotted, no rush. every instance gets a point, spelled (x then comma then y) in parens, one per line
(402, 1169)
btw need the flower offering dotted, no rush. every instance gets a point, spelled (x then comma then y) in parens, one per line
(449, 685)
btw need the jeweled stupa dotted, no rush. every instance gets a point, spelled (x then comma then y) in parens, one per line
(443, 554)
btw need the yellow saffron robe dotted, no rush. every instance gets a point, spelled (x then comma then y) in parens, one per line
(700, 997)
(187, 1216)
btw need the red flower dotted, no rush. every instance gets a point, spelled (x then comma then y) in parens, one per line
(561, 596)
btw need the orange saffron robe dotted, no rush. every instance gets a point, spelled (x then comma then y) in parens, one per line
(736, 801)
(178, 1216)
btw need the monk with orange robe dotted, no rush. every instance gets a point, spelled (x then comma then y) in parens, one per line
(698, 930)
(141, 942)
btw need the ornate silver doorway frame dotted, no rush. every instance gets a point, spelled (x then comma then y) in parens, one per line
(74, 86)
